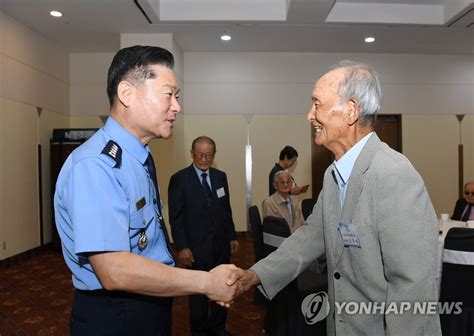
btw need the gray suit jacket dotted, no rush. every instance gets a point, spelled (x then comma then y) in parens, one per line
(397, 227)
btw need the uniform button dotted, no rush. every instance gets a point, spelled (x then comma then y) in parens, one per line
(154, 201)
(337, 275)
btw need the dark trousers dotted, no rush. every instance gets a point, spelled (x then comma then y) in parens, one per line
(103, 313)
(207, 317)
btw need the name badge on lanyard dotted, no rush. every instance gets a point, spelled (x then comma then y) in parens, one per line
(349, 235)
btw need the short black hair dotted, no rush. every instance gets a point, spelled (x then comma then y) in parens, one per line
(132, 63)
(204, 139)
(288, 152)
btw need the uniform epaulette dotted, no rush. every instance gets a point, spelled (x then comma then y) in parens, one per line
(113, 150)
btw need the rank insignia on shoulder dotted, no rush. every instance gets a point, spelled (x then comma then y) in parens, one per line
(113, 150)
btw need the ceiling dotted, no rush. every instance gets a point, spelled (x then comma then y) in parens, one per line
(400, 26)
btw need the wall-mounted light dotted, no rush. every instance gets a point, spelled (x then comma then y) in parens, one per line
(55, 13)
(226, 37)
(369, 39)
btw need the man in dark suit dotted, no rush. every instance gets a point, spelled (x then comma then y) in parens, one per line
(464, 208)
(202, 227)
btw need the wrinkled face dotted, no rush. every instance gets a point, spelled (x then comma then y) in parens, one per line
(327, 115)
(469, 193)
(283, 183)
(203, 155)
(155, 104)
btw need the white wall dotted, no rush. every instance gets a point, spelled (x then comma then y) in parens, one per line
(281, 83)
(34, 73)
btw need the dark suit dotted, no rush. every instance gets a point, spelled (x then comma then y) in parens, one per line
(459, 209)
(205, 229)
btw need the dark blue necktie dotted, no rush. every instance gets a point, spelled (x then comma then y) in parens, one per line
(150, 166)
(207, 189)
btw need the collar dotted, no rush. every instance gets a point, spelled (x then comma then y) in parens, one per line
(346, 163)
(126, 140)
(280, 199)
(199, 171)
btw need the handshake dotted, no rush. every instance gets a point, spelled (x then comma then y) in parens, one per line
(226, 282)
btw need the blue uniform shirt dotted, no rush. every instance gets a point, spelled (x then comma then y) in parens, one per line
(104, 204)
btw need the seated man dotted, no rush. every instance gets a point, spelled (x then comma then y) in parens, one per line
(464, 209)
(287, 159)
(281, 203)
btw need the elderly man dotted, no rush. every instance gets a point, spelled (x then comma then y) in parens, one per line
(281, 203)
(203, 228)
(287, 159)
(373, 218)
(464, 209)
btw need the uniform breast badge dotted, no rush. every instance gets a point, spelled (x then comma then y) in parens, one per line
(142, 240)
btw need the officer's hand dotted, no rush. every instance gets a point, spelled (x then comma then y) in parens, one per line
(222, 286)
(234, 246)
(185, 258)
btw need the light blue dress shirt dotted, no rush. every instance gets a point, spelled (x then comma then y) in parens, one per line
(104, 205)
(343, 167)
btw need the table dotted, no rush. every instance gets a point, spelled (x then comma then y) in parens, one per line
(444, 226)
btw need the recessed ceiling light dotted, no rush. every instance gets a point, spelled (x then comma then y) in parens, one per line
(369, 39)
(226, 37)
(55, 13)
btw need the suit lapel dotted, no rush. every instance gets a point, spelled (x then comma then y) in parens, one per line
(355, 187)
(332, 192)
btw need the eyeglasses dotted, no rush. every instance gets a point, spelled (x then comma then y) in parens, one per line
(284, 182)
(467, 193)
(207, 156)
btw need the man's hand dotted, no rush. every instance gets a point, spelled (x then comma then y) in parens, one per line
(185, 258)
(243, 280)
(234, 246)
(299, 190)
(218, 288)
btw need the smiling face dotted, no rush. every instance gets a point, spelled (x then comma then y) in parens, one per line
(152, 104)
(203, 155)
(328, 115)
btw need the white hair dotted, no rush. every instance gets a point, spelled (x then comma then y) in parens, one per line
(361, 83)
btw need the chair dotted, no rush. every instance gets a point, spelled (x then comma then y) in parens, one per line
(307, 206)
(457, 281)
(284, 317)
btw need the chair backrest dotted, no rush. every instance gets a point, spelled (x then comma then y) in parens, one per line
(257, 232)
(458, 267)
(275, 231)
(307, 206)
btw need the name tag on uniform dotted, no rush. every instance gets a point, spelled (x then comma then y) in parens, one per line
(141, 203)
(220, 192)
(349, 235)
